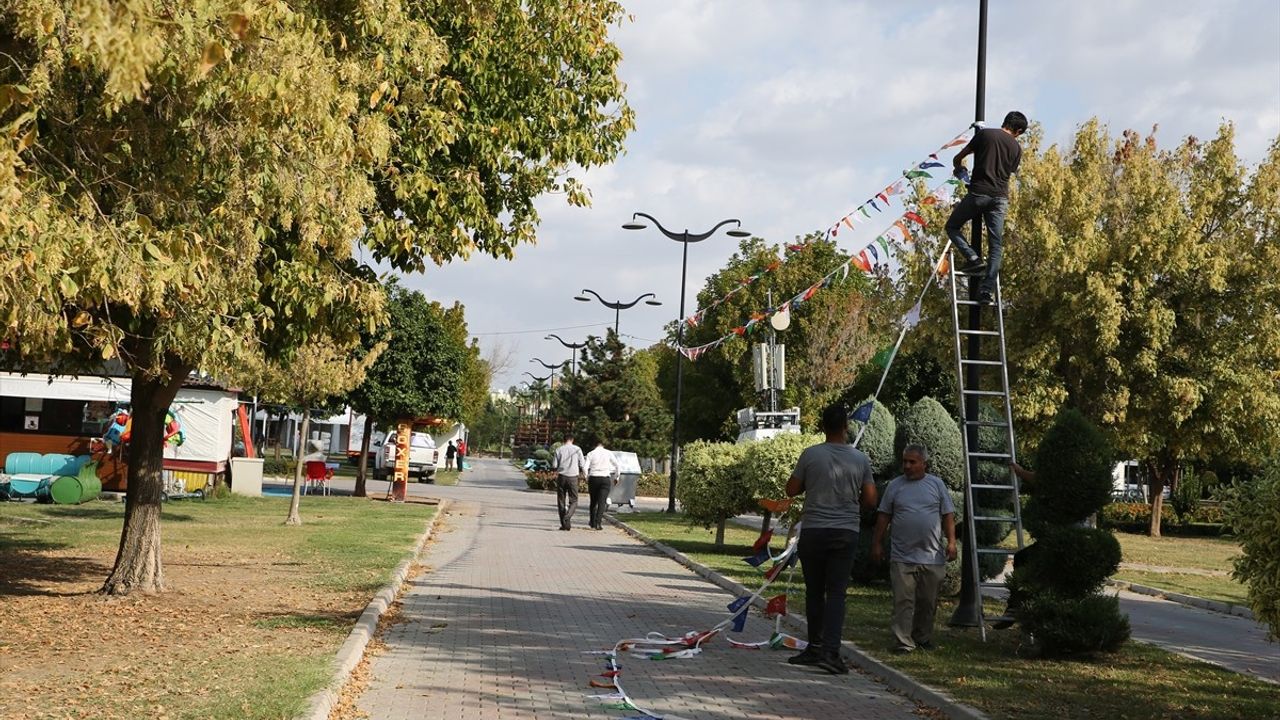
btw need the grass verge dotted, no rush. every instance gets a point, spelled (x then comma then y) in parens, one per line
(1139, 682)
(247, 628)
(1223, 589)
(447, 477)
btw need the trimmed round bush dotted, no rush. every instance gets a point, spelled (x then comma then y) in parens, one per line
(1070, 561)
(877, 439)
(927, 423)
(1071, 626)
(712, 484)
(1073, 473)
(768, 464)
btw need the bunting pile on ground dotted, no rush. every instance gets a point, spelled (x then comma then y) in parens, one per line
(851, 220)
(656, 646)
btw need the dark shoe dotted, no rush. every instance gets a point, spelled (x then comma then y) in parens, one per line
(926, 645)
(1003, 623)
(833, 664)
(807, 656)
(973, 265)
(565, 529)
(986, 297)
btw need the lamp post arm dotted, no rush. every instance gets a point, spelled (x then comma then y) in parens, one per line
(686, 236)
(602, 300)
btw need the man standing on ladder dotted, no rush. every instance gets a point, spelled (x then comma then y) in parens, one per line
(996, 154)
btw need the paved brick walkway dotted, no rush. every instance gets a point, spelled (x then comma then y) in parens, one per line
(495, 630)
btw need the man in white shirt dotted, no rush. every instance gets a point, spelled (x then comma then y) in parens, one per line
(602, 467)
(570, 465)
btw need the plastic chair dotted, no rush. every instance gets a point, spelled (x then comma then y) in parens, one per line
(318, 476)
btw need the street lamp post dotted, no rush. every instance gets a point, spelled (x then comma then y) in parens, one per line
(573, 351)
(684, 238)
(617, 307)
(550, 366)
(968, 612)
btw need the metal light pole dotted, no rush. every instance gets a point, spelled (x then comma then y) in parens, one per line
(968, 612)
(550, 366)
(573, 351)
(684, 238)
(616, 307)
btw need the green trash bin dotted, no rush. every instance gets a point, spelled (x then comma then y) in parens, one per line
(82, 488)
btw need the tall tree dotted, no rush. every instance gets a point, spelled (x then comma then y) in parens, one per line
(181, 182)
(830, 337)
(421, 373)
(1141, 286)
(614, 399)
(318, 372)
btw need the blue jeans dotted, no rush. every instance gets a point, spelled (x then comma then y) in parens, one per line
(992, 211)
(826, 558)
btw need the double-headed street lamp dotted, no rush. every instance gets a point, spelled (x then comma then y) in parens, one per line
(573, 351)
(683, 238)
(617, 307)
(549, 366)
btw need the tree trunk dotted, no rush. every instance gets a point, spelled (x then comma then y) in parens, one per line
(1163, 472)
(720, 533)
(363, 469)
(295, 518)
(138, 564)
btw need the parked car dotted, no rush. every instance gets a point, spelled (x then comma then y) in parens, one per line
(423, 457)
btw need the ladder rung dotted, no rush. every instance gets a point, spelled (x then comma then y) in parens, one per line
(989, 584)
(989, 455)
(988, 393)
(977, 486)
(975, 302)
(996, 363)
(996, 551)
(993, 333)
(986, 423)
(995, 518)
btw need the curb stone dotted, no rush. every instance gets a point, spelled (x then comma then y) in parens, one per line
(1188, 600)
(322, 702)
(894, 678)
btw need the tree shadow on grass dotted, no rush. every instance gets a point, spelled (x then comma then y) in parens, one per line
(26, 571)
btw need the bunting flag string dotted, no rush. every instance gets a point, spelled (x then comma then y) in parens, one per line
(898, 187)
(899, 232)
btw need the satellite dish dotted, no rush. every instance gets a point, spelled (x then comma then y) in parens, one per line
(781, 320)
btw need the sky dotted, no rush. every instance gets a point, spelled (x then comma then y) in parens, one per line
(787, 115)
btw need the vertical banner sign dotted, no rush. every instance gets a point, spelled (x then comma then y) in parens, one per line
(399, 486)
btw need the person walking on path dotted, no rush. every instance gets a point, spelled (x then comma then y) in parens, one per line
(602, 472)
(449, 453)
(570, 465)
(918, 506)
(835, 478)
(996, 155)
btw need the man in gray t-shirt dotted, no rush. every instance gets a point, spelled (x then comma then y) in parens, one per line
(836, 481)
(920, 509)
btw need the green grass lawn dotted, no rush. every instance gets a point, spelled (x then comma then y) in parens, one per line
(1136, 683)
(447, 477)
(277, 602)
(1193, 553)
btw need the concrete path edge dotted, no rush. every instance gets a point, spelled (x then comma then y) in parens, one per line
(1190, 600)
(894, 678)
(349, 655)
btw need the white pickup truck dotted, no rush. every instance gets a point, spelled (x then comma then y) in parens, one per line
(423, 456)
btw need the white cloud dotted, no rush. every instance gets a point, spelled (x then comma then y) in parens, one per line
(787, 115)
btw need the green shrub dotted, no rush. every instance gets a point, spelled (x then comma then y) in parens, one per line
(1080, 560)
(652, 484)
(1187, 495)
(1135, 516)
(542, 454)
(927, 423)
(877, 439)
(1205, 514)
(1073, 473)
(712, 485)
(1253, 512)
(1067, 626)
(768, 464)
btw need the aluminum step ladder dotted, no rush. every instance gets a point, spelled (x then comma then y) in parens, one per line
(1002, 500)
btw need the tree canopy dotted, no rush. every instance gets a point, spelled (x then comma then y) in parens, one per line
(182, 184)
